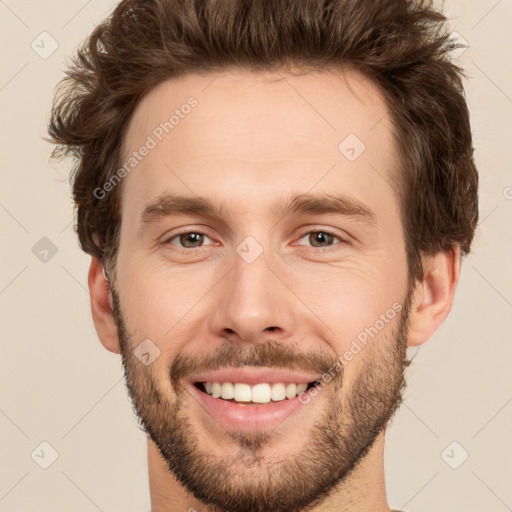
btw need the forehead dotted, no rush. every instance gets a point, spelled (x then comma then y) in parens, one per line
(253, 132)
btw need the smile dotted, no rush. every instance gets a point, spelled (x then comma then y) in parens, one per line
(252, 407)
(261, 393)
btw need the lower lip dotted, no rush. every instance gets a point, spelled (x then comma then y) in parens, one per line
(248, 417)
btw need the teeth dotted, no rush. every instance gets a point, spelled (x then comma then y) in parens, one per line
(291, 390)
(216, 387)
(278, 392)
(227, 391)
(301, 387)
(242, 392)
(261, 393)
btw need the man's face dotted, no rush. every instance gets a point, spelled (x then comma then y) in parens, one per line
(251, 287)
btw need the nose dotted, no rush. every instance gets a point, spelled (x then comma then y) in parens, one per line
(253, 303)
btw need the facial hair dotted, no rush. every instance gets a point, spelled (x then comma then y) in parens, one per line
(254, 480)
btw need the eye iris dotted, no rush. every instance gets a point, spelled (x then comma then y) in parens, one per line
(314, 237)
(190, 237)
(317, 238)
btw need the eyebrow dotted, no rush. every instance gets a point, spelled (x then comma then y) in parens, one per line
(302, 204)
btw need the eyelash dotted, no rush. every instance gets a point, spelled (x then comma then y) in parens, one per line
(198, 232)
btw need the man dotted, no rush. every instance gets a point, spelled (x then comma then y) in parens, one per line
(276, 196)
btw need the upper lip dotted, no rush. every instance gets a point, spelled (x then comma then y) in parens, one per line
(251, 375)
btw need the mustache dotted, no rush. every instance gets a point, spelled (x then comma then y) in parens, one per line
(270, 354)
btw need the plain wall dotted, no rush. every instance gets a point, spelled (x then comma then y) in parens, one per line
(59, 385)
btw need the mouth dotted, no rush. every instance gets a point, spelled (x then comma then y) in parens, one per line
(257, 406)
(245, 394)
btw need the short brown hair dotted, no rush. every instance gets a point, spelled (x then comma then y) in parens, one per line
(398, 44)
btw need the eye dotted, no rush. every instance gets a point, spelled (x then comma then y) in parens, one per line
(195, 239)
(321, 238)
(187, 240)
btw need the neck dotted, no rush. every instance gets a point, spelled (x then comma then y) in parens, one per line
(364, 489)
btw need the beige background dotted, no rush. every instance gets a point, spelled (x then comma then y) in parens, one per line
(59, 385)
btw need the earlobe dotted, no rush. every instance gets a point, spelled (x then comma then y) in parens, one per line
(433, 297)
(101, 306)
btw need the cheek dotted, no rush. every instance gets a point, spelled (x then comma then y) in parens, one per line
(159, 302)
(349, 298)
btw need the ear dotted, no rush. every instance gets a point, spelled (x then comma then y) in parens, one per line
(433, 296)
(101, 307)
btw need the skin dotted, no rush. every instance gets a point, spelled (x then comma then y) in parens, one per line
(252, 138)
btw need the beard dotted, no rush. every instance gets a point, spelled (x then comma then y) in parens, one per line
(253, 480)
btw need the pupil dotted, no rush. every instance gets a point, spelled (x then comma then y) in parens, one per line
(189, 238)
(319, 235)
